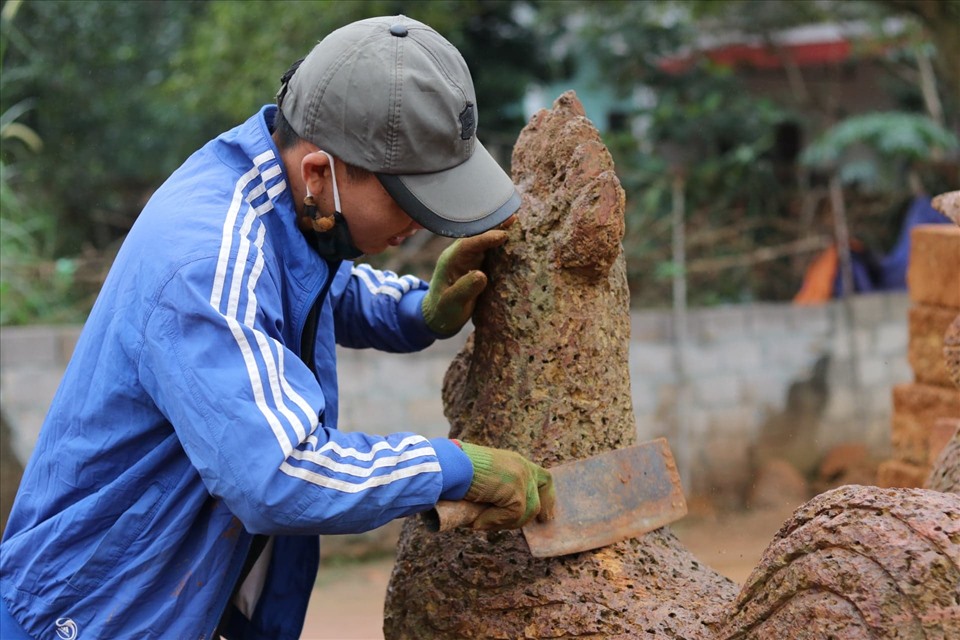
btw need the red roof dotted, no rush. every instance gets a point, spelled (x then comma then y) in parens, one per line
(766, 57)
(805, 46)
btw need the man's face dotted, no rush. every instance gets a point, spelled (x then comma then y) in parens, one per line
(376, 221)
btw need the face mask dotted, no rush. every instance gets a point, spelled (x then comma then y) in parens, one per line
(334, 243)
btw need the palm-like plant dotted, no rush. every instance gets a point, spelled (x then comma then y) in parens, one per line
(895, 140)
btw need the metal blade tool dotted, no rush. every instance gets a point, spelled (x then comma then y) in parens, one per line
(601, 500)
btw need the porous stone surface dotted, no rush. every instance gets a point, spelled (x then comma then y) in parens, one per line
(546, 374)
(951, 350)
(858, 562)
(949, 205)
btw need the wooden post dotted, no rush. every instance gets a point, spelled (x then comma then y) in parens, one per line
(680, 336)
(842, 233)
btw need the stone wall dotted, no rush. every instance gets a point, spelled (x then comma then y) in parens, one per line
(768, 380)
(754, 380)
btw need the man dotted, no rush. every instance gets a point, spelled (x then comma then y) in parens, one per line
(191, 456)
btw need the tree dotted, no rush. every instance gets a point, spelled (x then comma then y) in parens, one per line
(92, 69)
(699, 124)
(899, 143)
(746, 200)
(126, 90)
(33, 283)
(235, 58)
(941, 22)
(123, 92)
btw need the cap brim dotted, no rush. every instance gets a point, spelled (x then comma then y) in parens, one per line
(465, 200)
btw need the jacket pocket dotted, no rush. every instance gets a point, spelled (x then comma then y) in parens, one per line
(117, 541)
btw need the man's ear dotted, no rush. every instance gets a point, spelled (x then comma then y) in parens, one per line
(314, 169)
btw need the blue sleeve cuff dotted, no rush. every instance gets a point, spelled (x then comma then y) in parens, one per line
(456, 468)
(414, 327)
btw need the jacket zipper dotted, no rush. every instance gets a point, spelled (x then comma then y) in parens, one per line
(308, 348)
(308, 336)
(225, 600)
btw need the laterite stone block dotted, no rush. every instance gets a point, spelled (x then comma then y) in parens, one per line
(916, 408)
(928, 325)
(933, 276)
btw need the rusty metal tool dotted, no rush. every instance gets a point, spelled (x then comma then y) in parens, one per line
(601, 500)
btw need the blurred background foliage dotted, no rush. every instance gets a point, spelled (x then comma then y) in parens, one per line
(100, 101)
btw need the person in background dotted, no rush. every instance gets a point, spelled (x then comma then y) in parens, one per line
(191, 456)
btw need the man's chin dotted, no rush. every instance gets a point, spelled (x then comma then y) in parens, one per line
(372, 250)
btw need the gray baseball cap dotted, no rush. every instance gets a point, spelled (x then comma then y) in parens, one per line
(394, 97)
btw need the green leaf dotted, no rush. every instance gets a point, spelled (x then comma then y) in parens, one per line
(893, 135)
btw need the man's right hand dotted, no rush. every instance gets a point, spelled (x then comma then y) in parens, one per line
(515, 488)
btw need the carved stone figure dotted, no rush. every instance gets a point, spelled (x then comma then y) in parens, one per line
(546, 374)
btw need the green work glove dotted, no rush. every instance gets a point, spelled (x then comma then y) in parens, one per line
(457, 282)
(516, 489)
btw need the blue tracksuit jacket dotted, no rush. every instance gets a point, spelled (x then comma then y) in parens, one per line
(187, 419)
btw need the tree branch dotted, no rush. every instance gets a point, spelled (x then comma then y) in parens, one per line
(764, 254)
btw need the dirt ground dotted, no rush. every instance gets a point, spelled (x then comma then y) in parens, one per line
(347, 603)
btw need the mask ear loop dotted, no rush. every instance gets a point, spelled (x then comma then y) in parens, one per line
(319, 222)
(332, 239)
(333, 174)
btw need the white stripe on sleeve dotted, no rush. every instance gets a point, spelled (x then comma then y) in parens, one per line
(270, 354)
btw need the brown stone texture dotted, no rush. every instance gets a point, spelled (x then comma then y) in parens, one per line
(916, 407)
(933, 275)
(949, 205)
(945, 475)
(547, 363)
(897, 473)
(951, 351)
(928, 326)
(546, 373)
(858, 562)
